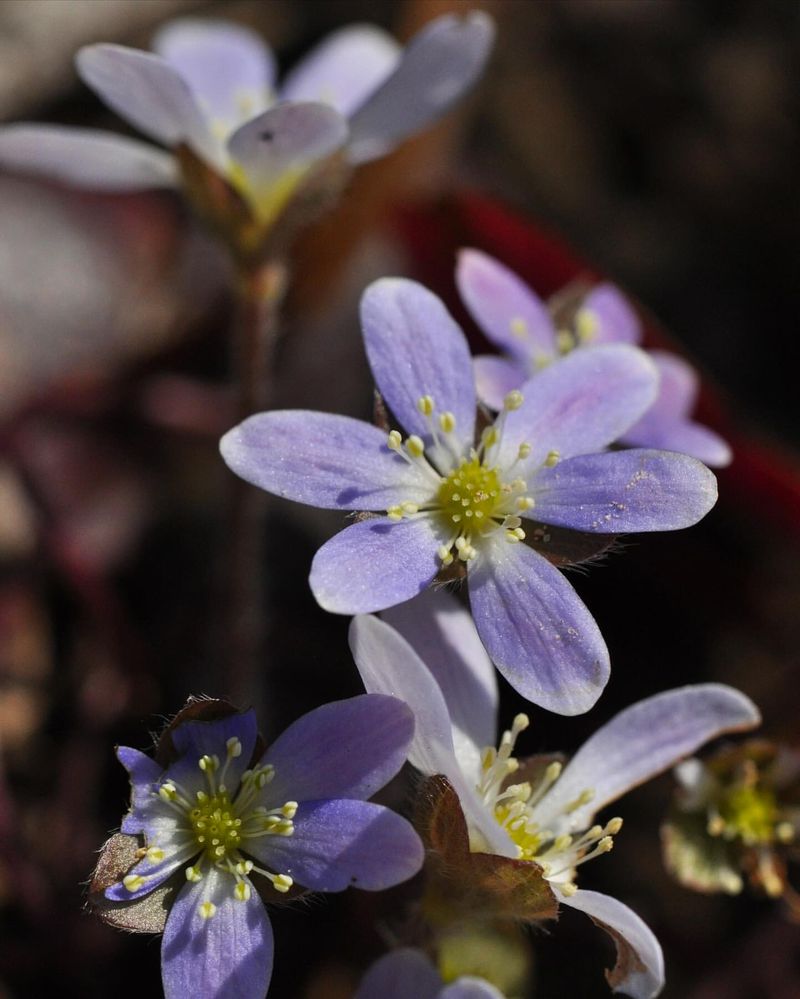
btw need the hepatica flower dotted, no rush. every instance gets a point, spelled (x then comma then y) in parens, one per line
(210, 87)
(450, 498)
(407, 973)
(227, 820)
(539, 812)
(513, 317)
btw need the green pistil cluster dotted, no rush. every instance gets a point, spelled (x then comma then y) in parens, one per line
(750, 814)
(216, 828)
(471, 494)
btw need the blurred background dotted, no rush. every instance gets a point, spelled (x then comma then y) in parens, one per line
(652, 141)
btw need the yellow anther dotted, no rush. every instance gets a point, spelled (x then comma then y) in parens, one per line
(605, 844)
(425, 405)
(513, 400)
(525, 503)
(552, 459)
(289, 810)
(614, 826)
(207, 909)
(168, 792)
(553, 771)
(567, 889)
(395, 513)
(133, 882)
(565, 341)
(155, 853)
(716, 825)
(520, 723)
(489, 437)
(518, 327)
(242, 891)
(586, 325)
(234, 747)
(444, 554)
(415, 446)
(194, 874)
(785, 832)
(583, 799)
(516, 535)
(244, 867)
(208, 764)
(447, 422)
(409, 508)
(394, 441)
(282, 882)
(523, 451)
(562, 843)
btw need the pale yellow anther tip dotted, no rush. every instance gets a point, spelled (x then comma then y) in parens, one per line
(133, 882)
(425, 405)
(242, 891)
(614, 826)
(447, 422)
(513, 400)
(207, 909)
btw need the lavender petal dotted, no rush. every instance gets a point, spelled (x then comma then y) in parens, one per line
(536, 629)
(399, 975)
(347, 749)
(612, 317)
(437, 68)
(229, 955)
(620, 491)
(509, 312)
(344, 69)
(323, 460)
(641, 742)
(495, 377)
(85, 158)
(194, 739)
(340, 844)
(641, 973)
(376, 563)
(415, 348)
(228, 68)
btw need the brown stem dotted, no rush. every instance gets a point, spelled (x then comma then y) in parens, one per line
(260, 292)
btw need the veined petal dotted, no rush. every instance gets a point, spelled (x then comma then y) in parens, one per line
(495, 377)
(619, 491)
(399, 975)
(509, 312)
(143, 772)
(438, 66)
(194, 739)
(639, 971)
(344, 69)
(229, 69)
(609, 316)
(86, 158)
(145, 90)
(389, 665)
(444, 637)
(224, 956)
(340, 844)
(536, 629)
(323, 460)
(468, 987)
(666, 423)
(579, 405)
(643, 741)
(416, 348)
(275, 150)
(347, 749)
(375, 564)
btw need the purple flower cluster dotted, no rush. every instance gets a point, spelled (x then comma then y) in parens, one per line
(449, 493)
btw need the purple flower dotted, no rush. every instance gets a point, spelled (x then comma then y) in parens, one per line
(549, 818)
(210, 85)
(448, 500)
(513, 316)
(407, 973)
(228, 822)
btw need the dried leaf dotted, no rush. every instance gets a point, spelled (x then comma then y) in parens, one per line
(145, 915)
(697, 860)
(473, 885)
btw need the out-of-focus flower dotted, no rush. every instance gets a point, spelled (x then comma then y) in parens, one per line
(736, 816)
(208, 93)
(543, 820)
(228, 821)
(513, 317)
(454, 499)
(405, 973)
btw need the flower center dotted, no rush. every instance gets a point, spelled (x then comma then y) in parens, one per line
(513, 807)
(470, 495)
(472, 492)
(215, 825)
(749, 813)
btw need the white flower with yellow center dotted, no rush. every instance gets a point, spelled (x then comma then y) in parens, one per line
(539, 810)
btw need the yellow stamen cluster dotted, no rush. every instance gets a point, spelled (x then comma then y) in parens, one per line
(513, 807)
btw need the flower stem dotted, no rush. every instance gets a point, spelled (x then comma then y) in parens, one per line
(259, 293)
